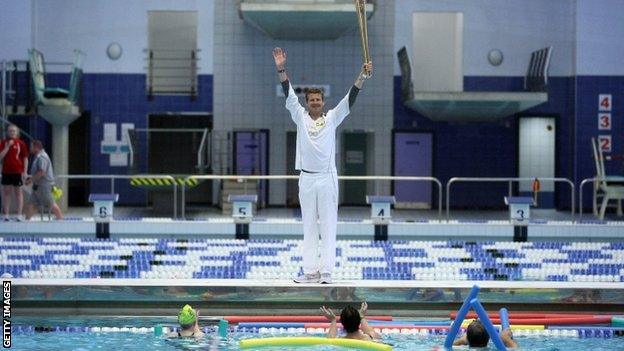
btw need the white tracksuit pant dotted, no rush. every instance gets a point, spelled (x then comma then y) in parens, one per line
(318, 197)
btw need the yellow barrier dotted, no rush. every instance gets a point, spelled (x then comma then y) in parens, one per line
(310, 340)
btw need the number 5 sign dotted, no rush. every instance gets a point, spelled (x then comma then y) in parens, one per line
(604, 102)
(605, 143)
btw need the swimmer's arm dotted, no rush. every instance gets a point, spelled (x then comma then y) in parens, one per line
(461, 341)
(367, 329)
(508, 340)
(329, 314)
(332, 329)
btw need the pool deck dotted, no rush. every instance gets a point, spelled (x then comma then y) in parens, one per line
(115, 294)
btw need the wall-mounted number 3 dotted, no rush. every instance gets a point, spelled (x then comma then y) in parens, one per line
(520, 213)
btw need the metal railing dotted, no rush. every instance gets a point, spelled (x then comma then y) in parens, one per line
(172, 71)
(510, 181)
(583, 182)
(114, 177)
(286, 177)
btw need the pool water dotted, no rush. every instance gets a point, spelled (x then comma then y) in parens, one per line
(50, 341)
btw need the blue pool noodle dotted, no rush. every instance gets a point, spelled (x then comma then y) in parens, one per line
(504, 318)
(487, 324)
(461, 314)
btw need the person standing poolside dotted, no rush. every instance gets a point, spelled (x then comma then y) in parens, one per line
(43, 180)
(14, 158)
(315, 159)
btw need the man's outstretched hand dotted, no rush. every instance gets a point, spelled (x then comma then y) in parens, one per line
(279, 56)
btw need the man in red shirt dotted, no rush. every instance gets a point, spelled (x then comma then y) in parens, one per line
(14, 158)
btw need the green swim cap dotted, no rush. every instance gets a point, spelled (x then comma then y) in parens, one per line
(187, 315)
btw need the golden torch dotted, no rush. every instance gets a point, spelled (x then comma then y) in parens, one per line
(360, 9)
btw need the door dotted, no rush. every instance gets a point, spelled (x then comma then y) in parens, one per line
(355, 163)
(413, 156)
(251, 156)
(537, 157)
(292, 187)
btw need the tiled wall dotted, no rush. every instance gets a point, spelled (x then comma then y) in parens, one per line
(245, 82)
(491, 149)
(121, 98)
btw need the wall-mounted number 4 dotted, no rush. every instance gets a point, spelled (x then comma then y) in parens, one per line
(604, 102)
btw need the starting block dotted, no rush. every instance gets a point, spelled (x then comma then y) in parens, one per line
(380, 214)
(103, 206)
(380, 207)
(242, 212)
(519, 208)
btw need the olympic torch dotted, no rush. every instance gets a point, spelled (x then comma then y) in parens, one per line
(360, 9)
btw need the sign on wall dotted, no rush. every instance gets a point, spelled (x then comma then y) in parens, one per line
(604, 102)
(605, 143)
(604, 121)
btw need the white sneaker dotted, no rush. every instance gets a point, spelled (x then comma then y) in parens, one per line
(326, 278)
(307, 278)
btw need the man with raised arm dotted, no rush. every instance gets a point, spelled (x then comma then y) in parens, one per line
(315, 159)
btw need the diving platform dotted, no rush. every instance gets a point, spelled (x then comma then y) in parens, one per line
(302, 20)
(473, 106)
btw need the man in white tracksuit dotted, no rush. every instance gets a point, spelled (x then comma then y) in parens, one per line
(318, 180)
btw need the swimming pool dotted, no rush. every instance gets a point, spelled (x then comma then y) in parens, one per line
(142, 337)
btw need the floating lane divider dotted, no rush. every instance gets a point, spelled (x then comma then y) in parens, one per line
(292, 319)
(487, 323)
(617, 321)
(461, 314)
(311, 341)
(524, 315)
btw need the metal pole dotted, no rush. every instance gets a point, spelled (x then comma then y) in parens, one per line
(175, 199)
(183, 200)
(510, 189)
(112, 185)
(448, 198)
(439, 199)
(3, 92)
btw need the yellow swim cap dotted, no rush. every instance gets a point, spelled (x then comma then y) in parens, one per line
(187, 315)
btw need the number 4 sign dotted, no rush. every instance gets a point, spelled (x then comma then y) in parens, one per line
(604, 102)
(605, 143)
(604, 121)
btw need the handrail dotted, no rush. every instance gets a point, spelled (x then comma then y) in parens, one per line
(583, 182)
(510, 180)
(286, 177)
(112, 178)
(200, 152)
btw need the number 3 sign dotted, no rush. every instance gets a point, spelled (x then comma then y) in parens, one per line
(604, 121)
